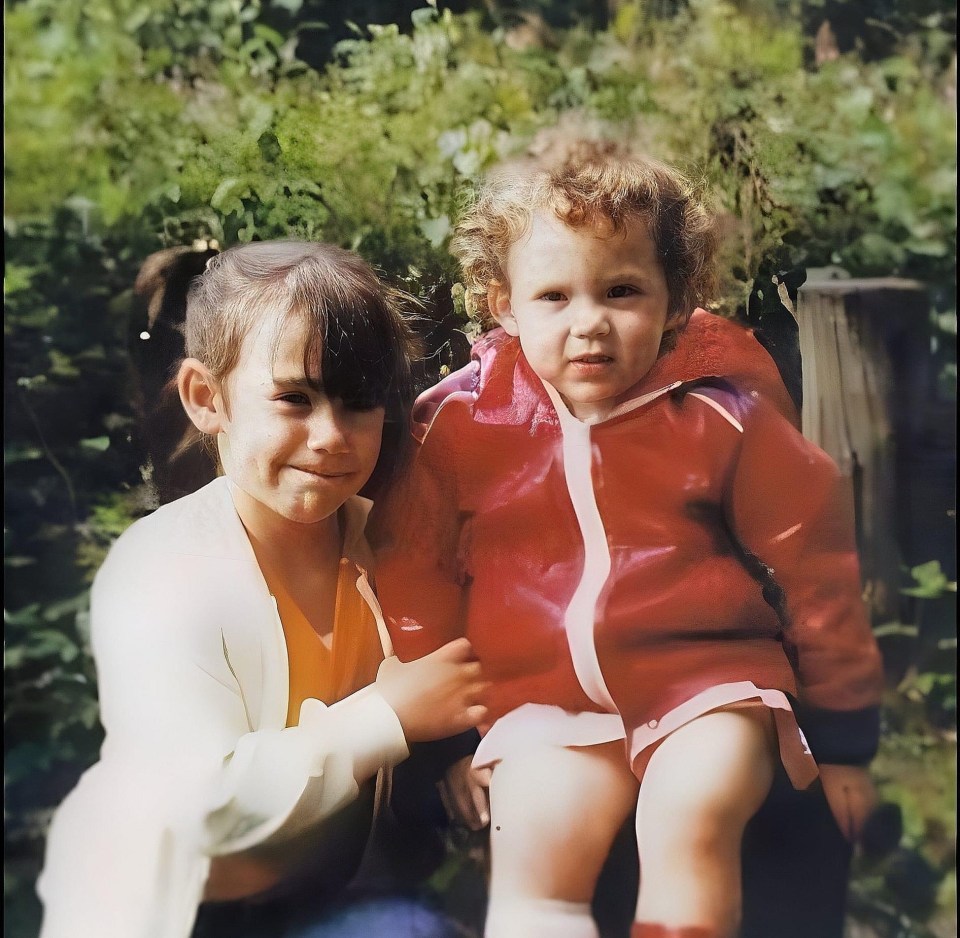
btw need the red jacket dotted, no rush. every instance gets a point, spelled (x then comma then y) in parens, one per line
(693, 538)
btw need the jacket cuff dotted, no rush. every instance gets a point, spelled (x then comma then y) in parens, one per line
(370, 730)
(840, 737)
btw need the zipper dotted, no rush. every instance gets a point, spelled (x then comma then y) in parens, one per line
(580, 616)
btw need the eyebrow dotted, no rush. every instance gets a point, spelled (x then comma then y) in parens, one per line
(300, 382)
(631, 273)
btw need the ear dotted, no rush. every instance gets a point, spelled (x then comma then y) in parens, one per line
(498, 302)
(200, 396)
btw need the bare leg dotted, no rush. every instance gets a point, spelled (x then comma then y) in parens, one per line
(554, 814)
(701, 786)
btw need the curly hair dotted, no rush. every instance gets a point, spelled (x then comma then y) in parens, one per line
(595, 184)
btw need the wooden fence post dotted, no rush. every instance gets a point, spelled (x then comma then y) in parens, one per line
(854, 403)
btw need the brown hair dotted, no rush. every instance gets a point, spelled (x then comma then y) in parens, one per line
(590, 184)
(360, 347)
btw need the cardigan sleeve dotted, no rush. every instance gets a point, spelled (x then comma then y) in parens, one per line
(416, 537)
(792, 510)
(187, 770)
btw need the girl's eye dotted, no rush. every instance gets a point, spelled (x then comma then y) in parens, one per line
(621, 290)
(554, 296)
(294, 398)
(362, 405)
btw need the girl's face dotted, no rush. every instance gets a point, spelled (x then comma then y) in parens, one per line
(590, 310)
(289, 448)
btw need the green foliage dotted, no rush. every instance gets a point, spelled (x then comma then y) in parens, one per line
(139, 124)
(68, 445)
(931, 581)
(849, 164)
(911, 890)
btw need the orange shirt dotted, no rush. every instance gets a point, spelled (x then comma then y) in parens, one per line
(350, 662)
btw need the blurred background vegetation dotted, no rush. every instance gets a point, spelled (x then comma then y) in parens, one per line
(826, 128)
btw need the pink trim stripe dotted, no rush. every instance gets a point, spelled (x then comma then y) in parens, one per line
(794, 751)
(722, 411)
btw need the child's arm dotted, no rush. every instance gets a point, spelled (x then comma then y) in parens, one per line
(789, 506)
(184, 775)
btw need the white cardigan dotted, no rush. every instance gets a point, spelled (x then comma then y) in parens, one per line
(197, 761)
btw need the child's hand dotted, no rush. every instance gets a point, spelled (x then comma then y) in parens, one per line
(851, 796)
(463, 791)
(437, 695)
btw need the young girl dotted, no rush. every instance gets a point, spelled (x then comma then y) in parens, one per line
(251, 715)
(613, 503)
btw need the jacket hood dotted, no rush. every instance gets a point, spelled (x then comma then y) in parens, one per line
(503, 389)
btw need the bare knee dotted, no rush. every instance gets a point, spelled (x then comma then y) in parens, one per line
(705, 782)
(542, 805)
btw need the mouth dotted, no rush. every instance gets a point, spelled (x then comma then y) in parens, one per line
(323, 473)
(591, 362)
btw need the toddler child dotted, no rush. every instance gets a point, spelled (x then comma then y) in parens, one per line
(251, 702)
(613, 503)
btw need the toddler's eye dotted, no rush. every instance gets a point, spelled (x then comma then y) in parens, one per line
(621, 290)
(554, 296)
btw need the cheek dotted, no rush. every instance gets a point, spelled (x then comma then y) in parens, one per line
(371, 450)
(543, 346)
(648, 336)
(264, 447)
(367, 438)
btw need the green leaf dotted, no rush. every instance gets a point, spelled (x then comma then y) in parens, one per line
(73, 605)
(16, 278)
(15, 452)
(931, 581)
(424, 16)
(96, 443)
(28, 615)
(895, 628)
(226, 197)
(18, 561)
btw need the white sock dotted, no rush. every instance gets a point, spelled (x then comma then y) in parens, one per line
(539, 918)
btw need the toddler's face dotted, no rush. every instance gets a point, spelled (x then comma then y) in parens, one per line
(590, 310)
(288, 447)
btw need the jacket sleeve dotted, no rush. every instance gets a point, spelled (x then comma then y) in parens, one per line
(184, 773)
(792, 510)
(416, 536)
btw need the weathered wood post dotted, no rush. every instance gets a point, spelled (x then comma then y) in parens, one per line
(862, 343)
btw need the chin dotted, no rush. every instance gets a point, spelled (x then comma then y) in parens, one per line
(300, 513)
(595, 400)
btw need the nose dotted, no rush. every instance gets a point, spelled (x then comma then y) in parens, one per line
(328, 429)
(589, 320)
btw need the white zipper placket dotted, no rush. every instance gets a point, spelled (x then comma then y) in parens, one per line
(580, 617)
(581, 614)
